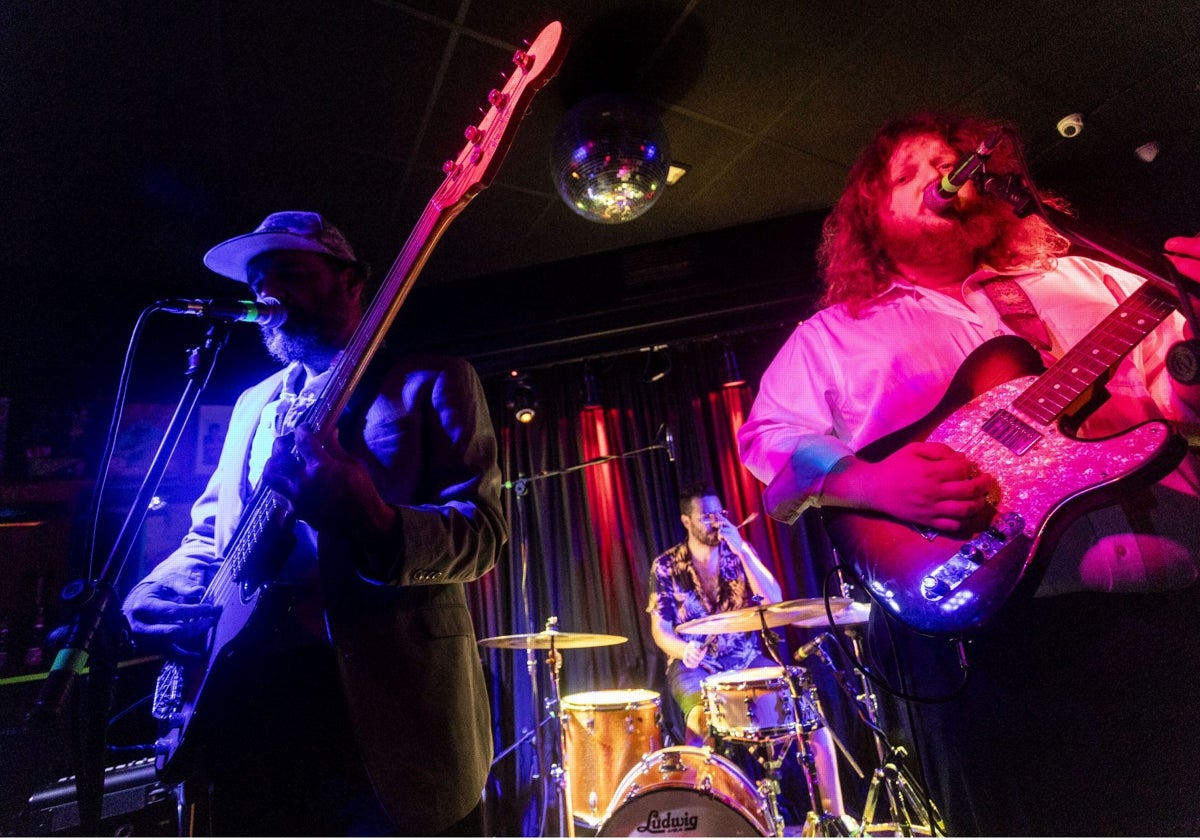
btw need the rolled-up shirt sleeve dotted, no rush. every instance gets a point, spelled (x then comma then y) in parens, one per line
(792, 420)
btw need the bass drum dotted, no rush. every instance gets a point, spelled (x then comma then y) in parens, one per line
(687, 792)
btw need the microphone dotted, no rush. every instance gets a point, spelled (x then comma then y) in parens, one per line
(267, 312)
(669, 442)
(939, 195)
(814, 647)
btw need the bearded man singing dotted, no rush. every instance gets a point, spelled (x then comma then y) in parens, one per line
(1070, 710)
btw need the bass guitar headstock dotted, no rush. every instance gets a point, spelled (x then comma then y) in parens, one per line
(489, 140)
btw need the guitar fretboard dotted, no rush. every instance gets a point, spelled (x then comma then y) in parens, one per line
(1100, 350)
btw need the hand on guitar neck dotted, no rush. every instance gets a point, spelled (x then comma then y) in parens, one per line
(328, 487)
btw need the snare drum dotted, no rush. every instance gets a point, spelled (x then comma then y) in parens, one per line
(756, 704)
(605, 734)
(687, 791)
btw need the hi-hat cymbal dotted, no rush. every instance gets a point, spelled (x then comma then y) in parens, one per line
(749, 619)
(854, 613)
(552, 639)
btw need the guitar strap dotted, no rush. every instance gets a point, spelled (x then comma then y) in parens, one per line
(1016, 310)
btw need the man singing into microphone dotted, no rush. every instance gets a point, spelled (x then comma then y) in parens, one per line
(1075, 704)
(362, 710)
(714, 570)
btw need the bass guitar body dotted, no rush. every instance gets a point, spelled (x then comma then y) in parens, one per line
(949, 584)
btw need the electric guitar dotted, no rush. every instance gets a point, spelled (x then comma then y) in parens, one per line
(241, 586)
(1018, 426)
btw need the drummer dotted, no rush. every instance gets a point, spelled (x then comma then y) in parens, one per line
(715, 570)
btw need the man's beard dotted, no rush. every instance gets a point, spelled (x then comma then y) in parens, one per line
(915, 244)
(313, 343)
(706, 536)
(305, 346)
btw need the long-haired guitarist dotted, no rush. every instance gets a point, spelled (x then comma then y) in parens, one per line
(356, 704)
(1073, 705)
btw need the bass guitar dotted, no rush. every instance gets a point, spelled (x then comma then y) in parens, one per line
(1018, 426)
(241, 586)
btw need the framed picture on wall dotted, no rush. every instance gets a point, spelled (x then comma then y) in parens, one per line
(211, 427)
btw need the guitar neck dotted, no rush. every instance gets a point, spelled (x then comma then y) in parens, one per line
(378, 318)
(1089, 361)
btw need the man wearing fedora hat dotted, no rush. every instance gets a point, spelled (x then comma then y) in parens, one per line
(366, 711)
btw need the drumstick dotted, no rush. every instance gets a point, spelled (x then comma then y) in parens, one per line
(747, 520)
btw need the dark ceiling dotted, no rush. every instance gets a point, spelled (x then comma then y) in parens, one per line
(137, 134)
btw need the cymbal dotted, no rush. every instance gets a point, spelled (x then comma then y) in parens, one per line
(855, 612)
(552, 638)
(749, 619)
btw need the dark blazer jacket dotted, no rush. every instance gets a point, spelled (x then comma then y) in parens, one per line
(398, 617)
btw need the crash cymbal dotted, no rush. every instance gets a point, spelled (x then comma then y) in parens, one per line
(749, 619)
(552, 638)
(854, 613)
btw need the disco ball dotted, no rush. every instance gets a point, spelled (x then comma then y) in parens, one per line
(610, 158)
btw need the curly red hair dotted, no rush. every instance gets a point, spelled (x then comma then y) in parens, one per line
(851, 258)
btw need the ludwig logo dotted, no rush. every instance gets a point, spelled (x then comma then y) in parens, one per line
(668, 822)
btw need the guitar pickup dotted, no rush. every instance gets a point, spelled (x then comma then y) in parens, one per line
(949, 576)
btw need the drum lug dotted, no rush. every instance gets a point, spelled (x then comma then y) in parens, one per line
(671, 763)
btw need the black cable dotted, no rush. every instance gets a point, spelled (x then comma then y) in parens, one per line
(110, 443)
(879, 680)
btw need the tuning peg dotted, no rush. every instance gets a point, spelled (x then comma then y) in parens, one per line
(473, 134)
(449, 166)
(523, 59)
(497, 98)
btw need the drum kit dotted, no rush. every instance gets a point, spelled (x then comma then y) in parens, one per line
(617, 777)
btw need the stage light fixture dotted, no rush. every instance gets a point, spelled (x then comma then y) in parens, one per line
(591, 390)
(658, 363)
(731, 376)
(522, 397)
(610, 158)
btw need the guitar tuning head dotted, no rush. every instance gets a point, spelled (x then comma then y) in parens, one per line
(523, 59)
(497, 99)
(449, 166)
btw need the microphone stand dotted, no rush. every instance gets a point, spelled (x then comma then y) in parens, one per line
(96, 633)
(1183, 359)
(520, 488)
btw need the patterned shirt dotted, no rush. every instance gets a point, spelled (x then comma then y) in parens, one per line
(676, 596)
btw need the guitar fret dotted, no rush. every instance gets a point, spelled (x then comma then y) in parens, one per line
(1102, 348)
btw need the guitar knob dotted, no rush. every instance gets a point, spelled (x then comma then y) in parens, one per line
(449, 166)
(473, 134)
(497, 99)
(523, 60)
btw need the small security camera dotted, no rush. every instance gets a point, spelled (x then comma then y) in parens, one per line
(1147, 152)
(1070, 125)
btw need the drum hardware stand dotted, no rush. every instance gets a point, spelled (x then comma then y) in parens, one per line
(819, 822)
(911, 809)
(769, 754)
(771, 759)
(905, 796)
(559, 778)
